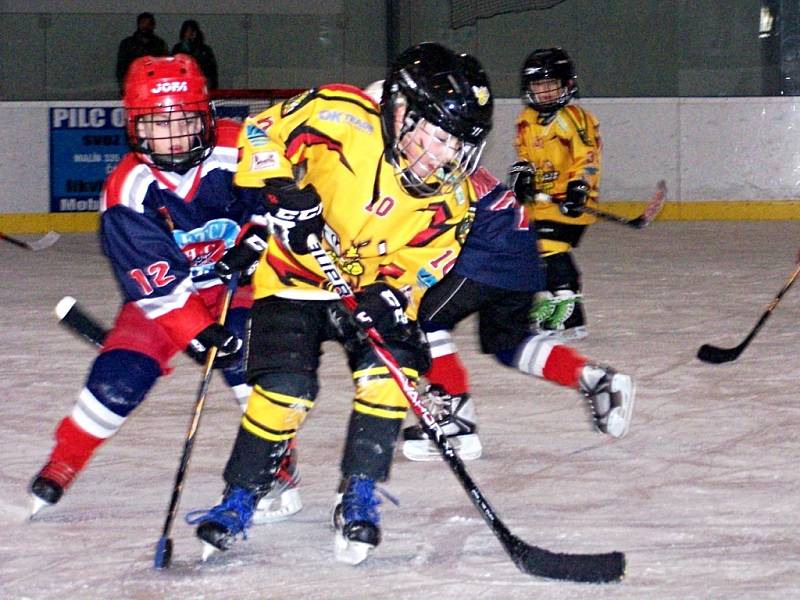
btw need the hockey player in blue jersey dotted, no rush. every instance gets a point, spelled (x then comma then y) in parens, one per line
(496, 275)
(169, 212)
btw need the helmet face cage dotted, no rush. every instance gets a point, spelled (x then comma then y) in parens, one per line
(552, 64)
(171, 120)
(446, 107)
(174, 138)
(412, 169)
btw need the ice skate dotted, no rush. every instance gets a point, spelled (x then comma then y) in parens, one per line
(356, 521)
(48, 486)
(283, 498)
(456, 416)
(611, 397)
(543, 307)
(219, 526)
(567, 320)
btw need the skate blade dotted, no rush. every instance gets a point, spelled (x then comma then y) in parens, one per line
(350, 552)
(619, 421)
(468, 447)
(208, 551)
(274, 510)
(37, 504)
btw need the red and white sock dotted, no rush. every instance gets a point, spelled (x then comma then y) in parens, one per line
(551, 360)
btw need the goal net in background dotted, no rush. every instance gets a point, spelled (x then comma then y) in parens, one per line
(239, 103)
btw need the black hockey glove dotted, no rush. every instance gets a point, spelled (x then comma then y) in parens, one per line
(293, 213)
(521, 181)
(244, 256)
(228, 346)
(577, 193)
(381, 306)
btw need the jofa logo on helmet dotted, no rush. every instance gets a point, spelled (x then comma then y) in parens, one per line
(170, 87)
(481, 94)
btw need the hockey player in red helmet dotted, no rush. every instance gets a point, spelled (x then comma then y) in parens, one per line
(170, 120)
(169, 212)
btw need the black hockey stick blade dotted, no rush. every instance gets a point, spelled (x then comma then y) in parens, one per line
(582, 568)
(44, 242)
(716, 355)
(75, 318)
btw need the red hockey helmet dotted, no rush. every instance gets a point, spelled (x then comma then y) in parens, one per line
(174, 88)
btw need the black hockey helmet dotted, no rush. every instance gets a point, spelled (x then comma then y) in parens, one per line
(548, 63)
(448, 90)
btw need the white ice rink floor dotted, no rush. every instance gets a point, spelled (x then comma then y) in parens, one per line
(703, 494)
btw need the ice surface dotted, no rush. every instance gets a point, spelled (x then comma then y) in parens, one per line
(702, 495)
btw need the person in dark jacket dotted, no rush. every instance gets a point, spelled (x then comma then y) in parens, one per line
(193, 43)
(143, 42)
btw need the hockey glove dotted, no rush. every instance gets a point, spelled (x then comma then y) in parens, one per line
(227, 344)
(244, 256)
(381, 306)
(577, 193)
(521, 181)
(293, 213)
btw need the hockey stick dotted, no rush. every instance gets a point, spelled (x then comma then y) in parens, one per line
(716, 355)
(78, 320)
(591, 568)
(44, 242)
(164, 544)
(651, 211)
(81, 322)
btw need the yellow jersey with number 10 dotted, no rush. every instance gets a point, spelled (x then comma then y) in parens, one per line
(331, 138)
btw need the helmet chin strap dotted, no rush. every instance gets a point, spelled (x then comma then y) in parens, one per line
(179, 162)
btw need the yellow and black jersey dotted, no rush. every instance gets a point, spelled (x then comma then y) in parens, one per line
(566, 148)
(331, 138)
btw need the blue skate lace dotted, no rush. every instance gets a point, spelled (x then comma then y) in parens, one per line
(360, 503)
(234, 513)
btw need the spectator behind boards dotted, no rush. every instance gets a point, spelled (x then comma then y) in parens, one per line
(143, 42)
(193, 43)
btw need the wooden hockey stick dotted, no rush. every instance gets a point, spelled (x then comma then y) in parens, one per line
(651, 211)
(164, 544)
(44, 242)
(533, 560)
(716, 355)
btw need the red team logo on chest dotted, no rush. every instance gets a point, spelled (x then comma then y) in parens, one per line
(204, 253)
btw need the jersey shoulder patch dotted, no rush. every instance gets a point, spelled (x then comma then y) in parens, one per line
(295, 103)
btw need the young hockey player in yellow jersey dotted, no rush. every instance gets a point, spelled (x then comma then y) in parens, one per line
(386, 188)
(560, 141)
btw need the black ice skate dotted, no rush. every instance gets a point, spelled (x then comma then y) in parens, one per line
(49, 484)
(611, 397)
(283, 498)
(219, 526)
(456, 416)
(356, 521)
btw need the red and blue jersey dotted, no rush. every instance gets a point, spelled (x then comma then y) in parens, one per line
(163, 232)
(501, 247)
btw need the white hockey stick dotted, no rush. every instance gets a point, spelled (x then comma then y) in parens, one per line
(44, 242)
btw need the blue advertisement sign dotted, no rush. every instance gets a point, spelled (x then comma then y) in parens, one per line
(86, 143)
